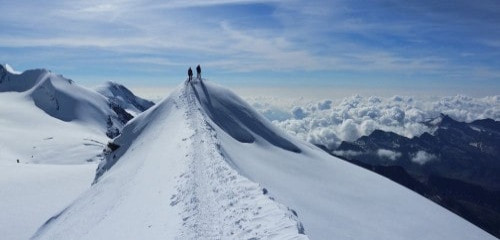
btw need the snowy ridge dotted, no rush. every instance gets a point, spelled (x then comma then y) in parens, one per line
(192, 167)
(236, 207)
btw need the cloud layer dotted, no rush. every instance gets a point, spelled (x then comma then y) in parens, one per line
(328, 122)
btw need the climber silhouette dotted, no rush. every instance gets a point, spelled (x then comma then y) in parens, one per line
(198, 71)
(190, 74)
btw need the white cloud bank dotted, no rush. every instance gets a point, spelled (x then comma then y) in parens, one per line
(422, 157)
(329, 122)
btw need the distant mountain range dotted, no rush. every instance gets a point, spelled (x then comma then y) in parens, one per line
(456, 165)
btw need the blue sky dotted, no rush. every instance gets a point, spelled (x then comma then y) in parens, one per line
(437, 46)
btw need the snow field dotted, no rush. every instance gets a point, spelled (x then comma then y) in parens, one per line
(31, 193)
(30, 135)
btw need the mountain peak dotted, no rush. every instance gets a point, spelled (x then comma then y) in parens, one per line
(446, 118)
(441, 120)
(9, 69)
(61, 98)
(123, 97)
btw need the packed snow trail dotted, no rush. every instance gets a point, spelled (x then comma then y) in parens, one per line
(171, 182)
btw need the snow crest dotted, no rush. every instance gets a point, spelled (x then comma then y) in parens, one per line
(218, 202)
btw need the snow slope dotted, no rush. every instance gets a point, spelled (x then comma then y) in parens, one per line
(32, 193)
(29, 135)
(203, 164)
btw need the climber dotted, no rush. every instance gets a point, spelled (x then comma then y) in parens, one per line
(198, 71)
(190, 74)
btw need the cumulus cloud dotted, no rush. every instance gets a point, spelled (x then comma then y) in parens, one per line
(329, 122)
(325, 137)
(391, 155)
(422, 157)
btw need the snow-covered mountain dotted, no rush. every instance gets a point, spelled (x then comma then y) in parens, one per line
(46, 118)
(202, 164)
(52, 133)
(120, 96)
(65, 100)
